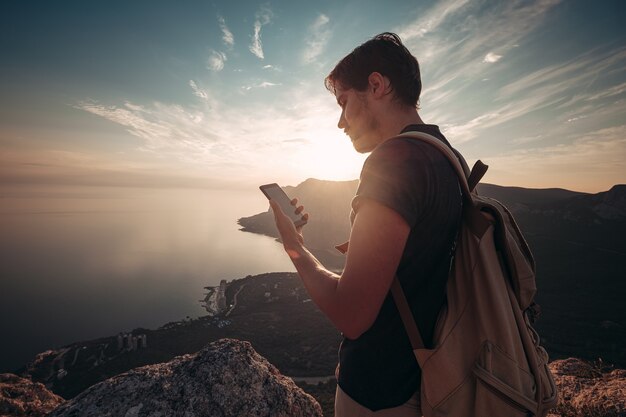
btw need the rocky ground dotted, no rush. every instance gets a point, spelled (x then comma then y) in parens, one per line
(228, 378)
(23, 397)
(589, 389)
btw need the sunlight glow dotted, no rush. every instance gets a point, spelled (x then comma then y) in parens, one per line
(329, 156)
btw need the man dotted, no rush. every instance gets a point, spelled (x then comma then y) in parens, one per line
(405, 218)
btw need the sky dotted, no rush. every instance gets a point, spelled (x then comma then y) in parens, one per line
(230, 94)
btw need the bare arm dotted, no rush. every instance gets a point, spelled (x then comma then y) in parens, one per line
(351, 301)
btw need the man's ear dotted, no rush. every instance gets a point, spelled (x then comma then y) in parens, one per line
(378, 84)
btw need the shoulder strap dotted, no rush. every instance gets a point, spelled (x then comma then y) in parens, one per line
(456, 160)
(468, 181)
(406, 315)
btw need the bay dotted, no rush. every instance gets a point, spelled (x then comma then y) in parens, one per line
(80, 263)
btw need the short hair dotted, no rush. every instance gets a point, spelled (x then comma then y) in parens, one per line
(385, 54)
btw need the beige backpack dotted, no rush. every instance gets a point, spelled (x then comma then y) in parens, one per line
(486, 359)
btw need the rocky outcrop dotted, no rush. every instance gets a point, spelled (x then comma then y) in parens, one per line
(226, 378)
(22, 397)
(588, 390)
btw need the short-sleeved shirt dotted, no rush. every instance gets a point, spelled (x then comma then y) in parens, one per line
(378, 369)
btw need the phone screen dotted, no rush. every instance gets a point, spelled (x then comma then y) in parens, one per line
(274, 192)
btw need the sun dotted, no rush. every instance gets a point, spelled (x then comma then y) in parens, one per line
(332, 157)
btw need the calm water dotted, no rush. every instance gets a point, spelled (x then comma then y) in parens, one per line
(82, 263)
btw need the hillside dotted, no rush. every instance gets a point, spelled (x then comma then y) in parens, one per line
(577, 240)
(272, 311)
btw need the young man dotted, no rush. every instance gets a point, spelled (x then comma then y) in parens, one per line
(405, 217)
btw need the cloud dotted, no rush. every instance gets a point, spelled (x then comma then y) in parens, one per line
(227, 35)
(574, 119)
(216, 61)
(469, 130)
(491, 58)
(457, 42)
(569, 82)
(263, 17)
(266, 84)
(505, 114)
(319, 35)
(610, 92)
(198, 92)
(431, 20)
(242, 141)
(272, 67)
(263, 84)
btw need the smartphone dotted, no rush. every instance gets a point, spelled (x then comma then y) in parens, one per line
(274, 192)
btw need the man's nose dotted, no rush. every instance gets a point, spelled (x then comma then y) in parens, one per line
(342, 122)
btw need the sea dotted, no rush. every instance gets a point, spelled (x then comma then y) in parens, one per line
(78, 263)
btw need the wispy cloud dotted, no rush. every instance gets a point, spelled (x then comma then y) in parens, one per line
(457, 47)
(491, 58)
(568, 84)
(272, 67)
(263, 17)
(197, 91)
(431, 20)
(227, 35)
(242, 141)
(453, 47)
(262, 84)
(216, 61)
(318, 37)
(580, 70)
(610, 92)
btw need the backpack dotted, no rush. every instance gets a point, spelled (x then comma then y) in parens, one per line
(486, 360)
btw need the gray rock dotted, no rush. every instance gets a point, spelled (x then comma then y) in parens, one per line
(23, 397)
(226, 378)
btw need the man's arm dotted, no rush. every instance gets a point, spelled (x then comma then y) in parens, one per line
(352, 301)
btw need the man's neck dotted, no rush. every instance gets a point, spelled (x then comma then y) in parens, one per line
(393, 124)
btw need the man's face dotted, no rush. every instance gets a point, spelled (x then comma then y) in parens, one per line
(357, 120)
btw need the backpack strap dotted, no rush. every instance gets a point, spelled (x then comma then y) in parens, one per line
(456, 160)
(478, 171)
(406, 315)
(468, 181)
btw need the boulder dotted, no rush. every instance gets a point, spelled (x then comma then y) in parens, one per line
(23, 397)
(586, 389)
(226, 378)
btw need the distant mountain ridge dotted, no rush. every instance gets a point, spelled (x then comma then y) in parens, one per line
(578, 241)
(328, 203)
(528, 196)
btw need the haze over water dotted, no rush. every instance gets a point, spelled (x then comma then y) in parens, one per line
(81, 263)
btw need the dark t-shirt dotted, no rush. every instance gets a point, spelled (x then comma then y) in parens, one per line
(379, 370)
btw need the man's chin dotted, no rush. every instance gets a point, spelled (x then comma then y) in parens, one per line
(360, 147)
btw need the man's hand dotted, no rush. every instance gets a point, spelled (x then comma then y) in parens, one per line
(289, 234)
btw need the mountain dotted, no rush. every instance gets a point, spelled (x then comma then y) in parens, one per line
(328, 203)
(577, 240)
(525, 197)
